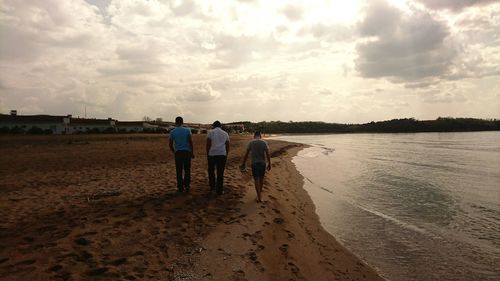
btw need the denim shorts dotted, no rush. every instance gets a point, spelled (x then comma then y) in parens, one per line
(258, 169)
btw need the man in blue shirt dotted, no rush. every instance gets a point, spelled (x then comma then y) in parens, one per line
(181, 144)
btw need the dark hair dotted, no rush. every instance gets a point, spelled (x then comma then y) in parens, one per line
(257, 134)
(216, 124)
(179, 120)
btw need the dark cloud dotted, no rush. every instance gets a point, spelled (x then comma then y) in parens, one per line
(421, 84)
(381, 19)
(400, 46)
(101, 4)
(293, 13)
(131, 69)
(454, 5)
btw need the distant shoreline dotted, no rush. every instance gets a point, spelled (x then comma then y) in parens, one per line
(407, 125)
(355, 133)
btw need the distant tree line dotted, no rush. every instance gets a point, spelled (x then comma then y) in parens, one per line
(406, 125)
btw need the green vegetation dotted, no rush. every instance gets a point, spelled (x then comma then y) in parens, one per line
(406, 125)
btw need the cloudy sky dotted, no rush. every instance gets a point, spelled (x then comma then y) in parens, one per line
(335, 61)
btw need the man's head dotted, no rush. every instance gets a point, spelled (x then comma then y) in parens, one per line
(179, 121)
(216, 124)
(257, 135)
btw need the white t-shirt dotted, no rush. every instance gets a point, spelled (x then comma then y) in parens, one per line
(219, 139)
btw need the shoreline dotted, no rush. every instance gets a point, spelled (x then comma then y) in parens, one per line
(282, 238)
(105, 208)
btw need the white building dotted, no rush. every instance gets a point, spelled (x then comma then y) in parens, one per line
(34, 123)
(48, 124)
(83, 125)
(130, 126)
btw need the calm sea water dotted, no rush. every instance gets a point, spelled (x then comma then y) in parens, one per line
(420, 206)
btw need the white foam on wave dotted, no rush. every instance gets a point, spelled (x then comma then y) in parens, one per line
(374, 212)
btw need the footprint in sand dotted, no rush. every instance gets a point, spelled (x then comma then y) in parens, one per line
(97, 271)
(290, 234)
(252, 256)
(55, 268)
(278, 220)
(82, 241)
(118, 262)
(284, 249)
(25, 262)
(293, 268)
(239, 275)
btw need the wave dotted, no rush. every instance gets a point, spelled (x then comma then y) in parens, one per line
(371, 211)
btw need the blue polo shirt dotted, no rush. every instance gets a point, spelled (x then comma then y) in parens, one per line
(180, 136)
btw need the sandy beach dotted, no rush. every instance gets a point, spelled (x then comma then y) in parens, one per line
(104, 207)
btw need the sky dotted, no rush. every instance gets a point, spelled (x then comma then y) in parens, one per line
(255, 60)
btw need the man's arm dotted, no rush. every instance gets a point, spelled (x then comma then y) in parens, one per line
(190, 140)
(245, 157)
(171, 144)
(268, 160)
(227, 147)
(209, 144)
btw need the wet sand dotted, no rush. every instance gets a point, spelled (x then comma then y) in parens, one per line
(104, 207)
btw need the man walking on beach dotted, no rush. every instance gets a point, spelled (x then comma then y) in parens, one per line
(181, 137)
(217, 150)
(260, 151)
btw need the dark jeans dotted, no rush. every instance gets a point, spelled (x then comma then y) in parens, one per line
(183, 163)
(219, 162)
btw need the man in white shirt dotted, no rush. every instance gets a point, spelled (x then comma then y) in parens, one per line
(217, 150)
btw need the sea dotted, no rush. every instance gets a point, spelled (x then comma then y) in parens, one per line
(420, 206)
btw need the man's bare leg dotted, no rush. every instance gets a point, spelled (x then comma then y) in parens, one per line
(261, 186)
(258, 188)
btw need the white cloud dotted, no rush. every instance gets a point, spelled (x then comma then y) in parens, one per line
(225, 59)
(198, 93)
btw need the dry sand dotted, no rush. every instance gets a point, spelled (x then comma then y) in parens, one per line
(104, 207)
